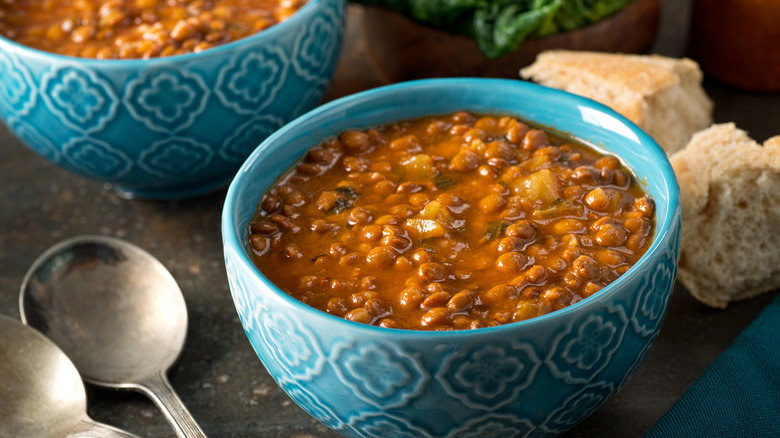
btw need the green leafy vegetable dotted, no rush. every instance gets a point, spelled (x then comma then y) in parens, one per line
(500, 26)
(495, 229)
(349, 192)
(340, 205)
(443, 183)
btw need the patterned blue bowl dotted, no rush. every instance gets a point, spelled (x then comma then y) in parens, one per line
(531, 378)
(170, 127)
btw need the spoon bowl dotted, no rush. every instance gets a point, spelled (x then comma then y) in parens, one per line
(42, 392)
(116, 312)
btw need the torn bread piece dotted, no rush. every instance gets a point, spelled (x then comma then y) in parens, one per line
(662, 95)
(730, 193)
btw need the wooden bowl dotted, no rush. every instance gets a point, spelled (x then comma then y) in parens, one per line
(402, 49)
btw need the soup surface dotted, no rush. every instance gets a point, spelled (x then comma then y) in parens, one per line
(450, 222)
(120, 29)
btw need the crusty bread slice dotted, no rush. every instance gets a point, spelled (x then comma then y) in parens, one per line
(662, 95)
(730, 192)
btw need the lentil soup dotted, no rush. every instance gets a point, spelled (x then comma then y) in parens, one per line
(450, 222)
(122, 29)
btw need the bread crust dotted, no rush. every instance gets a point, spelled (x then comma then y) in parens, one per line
(662, 95)
(731, 215)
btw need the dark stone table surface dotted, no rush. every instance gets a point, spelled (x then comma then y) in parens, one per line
(218, 375)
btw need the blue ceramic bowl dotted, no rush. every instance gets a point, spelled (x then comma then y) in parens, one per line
(176, 126)
(536, 377)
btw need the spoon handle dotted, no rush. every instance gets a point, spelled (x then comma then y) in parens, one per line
(157, 387)
(93, 429)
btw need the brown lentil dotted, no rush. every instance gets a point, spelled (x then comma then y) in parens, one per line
(435, 317)
(450, 222)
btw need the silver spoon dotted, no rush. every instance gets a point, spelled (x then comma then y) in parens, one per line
(116, 312)
(41, 390)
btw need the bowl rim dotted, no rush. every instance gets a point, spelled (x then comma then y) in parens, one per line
(269, 32)
(663, 227)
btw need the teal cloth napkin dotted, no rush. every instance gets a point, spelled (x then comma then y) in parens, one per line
(739, 394)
